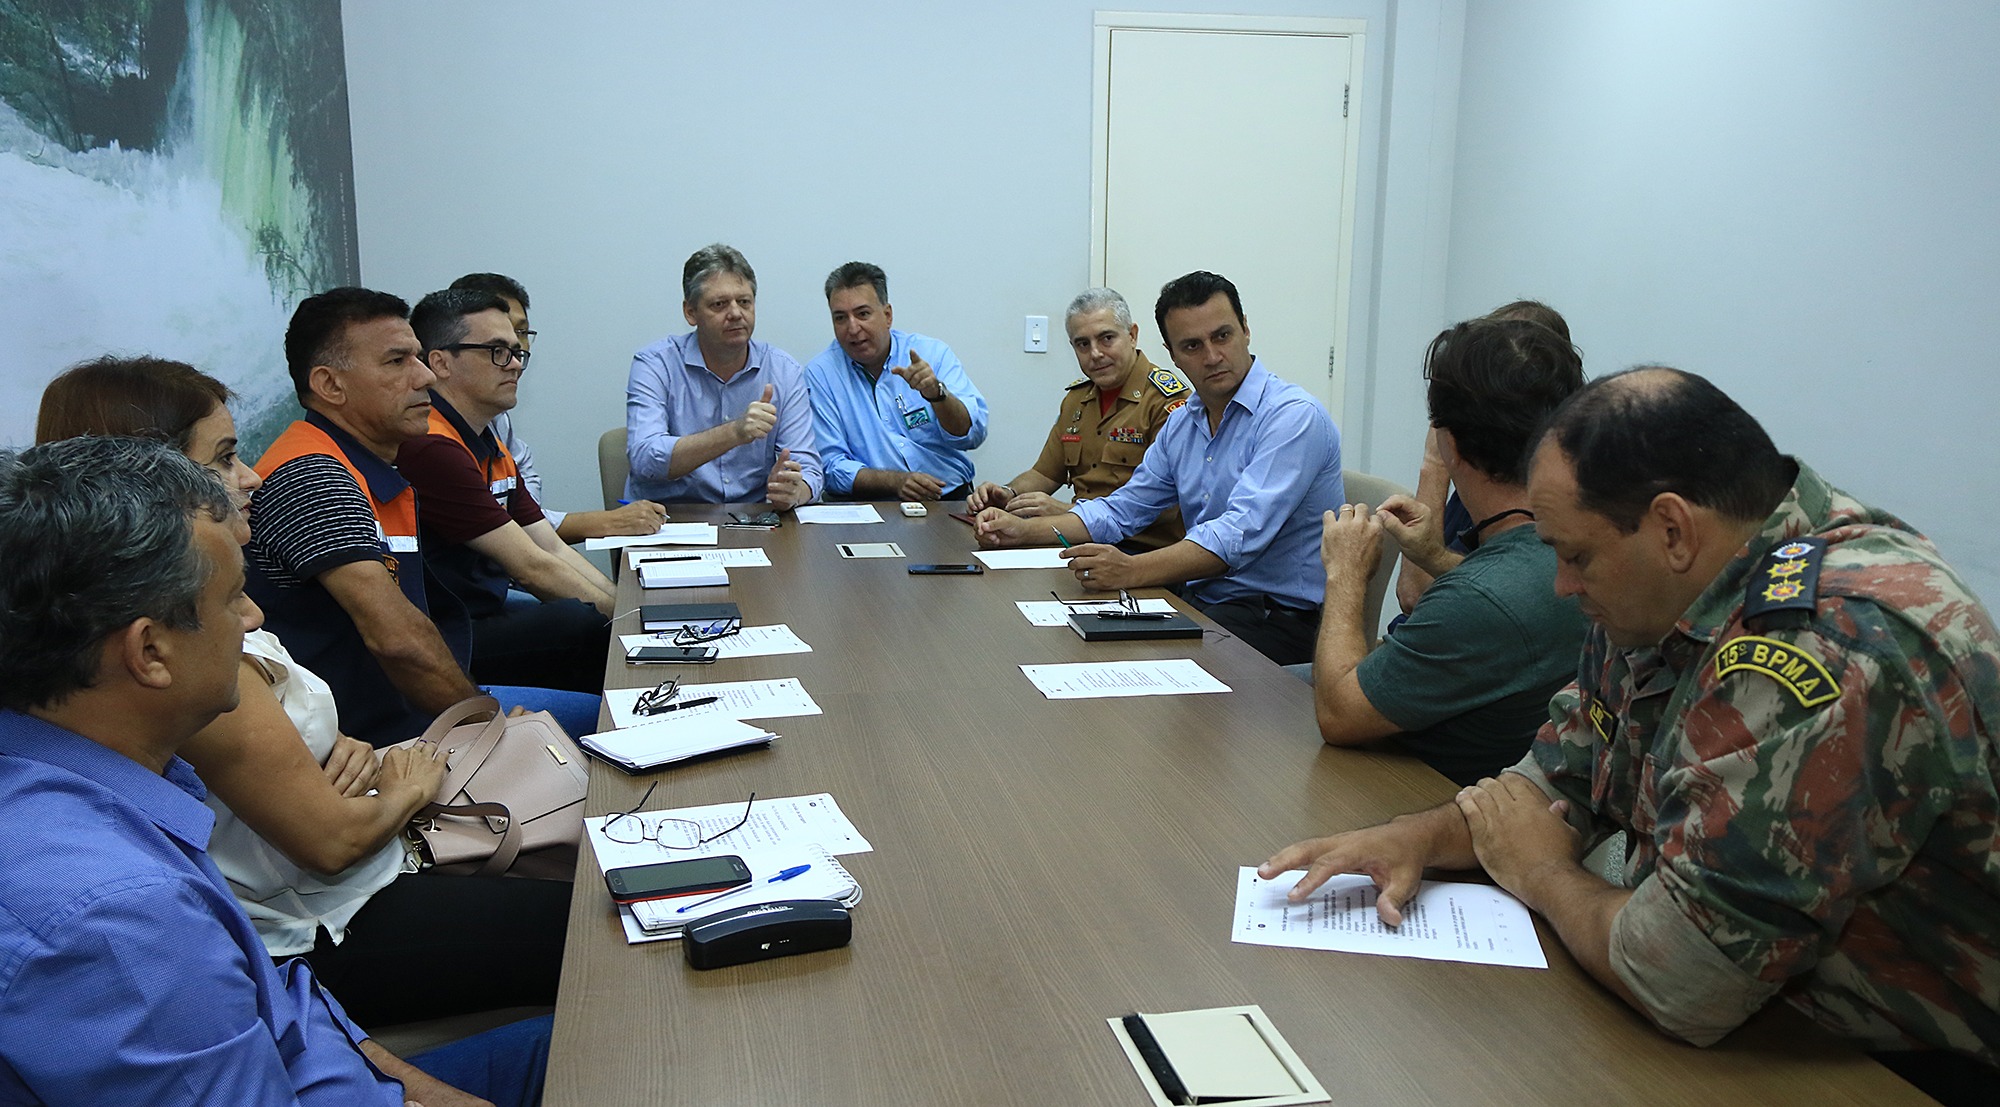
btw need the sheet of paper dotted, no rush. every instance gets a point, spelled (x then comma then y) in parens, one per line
(1051, 613)
(1447, 921)
(748, 642)
(775, 823)
(1034, 557)
(729, 557)
(869, 549)
(740, 699)
(838, 513)
(1085, 680)
(669, 534)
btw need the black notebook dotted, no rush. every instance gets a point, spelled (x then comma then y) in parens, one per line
(674, 616)
(1094, 628)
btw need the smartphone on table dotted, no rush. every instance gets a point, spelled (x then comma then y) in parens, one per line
(946, 570)
(666, 879)
(671, 655)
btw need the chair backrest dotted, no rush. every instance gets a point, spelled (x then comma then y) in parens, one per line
(612, 465)
(1366, 488)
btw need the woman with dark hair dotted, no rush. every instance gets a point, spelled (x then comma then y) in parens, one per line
(308, 823)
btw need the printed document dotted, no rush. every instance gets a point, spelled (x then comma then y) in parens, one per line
(1053, 613)
(1034, 557)
(775, 823)
(748, 642)
(837, 513)
(1178, 676)
(669, 534)
(740, 699)
(1447, 921)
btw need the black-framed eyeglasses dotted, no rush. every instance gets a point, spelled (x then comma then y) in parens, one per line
(629, 828)
(501, 353)
(695, 634)
(656, 698)
(1126, 606)
(527, 337)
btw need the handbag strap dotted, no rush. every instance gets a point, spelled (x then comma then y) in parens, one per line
(510, 839)
(473, 754)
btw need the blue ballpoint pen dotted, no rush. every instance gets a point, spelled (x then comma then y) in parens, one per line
(786, 875)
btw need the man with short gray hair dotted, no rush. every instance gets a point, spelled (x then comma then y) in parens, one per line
(1104, 424)
(714, 416)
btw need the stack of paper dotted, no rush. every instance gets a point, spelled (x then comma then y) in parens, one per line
(669, 534)
(682, 574)
(671, 739)
(825, 879)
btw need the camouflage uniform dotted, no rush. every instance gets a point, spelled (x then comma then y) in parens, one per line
(1095, 454)
(1809, 786)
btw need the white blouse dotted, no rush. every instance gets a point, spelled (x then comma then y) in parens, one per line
(286, 903)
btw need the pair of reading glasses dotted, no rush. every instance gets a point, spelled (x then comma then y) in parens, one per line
(655, 700)
(1126, 606)
(695, 635)
(629, 828)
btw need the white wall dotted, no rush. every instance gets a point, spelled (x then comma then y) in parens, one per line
(588, 149)
(1794, 199)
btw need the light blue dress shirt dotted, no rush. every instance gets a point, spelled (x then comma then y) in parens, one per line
(671, 392)
(888, 424)
(128, 974)
(1252, 494)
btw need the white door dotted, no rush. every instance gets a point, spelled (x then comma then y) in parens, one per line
(1228, 143)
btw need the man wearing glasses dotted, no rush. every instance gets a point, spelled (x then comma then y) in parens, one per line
(637, 517)
(484, 528)
(713, 415)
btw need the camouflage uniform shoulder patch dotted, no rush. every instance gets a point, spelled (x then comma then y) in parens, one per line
(1166, 382)
(1800, 673)
(1784, 586)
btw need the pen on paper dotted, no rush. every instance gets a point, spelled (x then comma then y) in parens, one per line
(702, 701)
(795, 870)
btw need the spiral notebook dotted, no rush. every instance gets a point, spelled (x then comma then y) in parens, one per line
(827, 879)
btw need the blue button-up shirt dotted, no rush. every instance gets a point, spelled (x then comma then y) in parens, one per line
(672, 392)
(1252, 494)
(888, 424)
(128, 974)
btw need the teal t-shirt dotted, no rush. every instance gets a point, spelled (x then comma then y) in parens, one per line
(1468, 676)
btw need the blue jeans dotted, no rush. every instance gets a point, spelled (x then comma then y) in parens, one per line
(575, 712)
(505, 1065)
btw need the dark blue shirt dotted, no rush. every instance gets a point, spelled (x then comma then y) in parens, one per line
(128, 974)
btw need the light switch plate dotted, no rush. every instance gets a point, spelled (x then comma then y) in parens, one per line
(1035, 338)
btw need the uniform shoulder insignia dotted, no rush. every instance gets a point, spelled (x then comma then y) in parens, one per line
(1166, 382)
(1076, 384)
(1784, 585)
(1600, 718)
(1176, 405)
(1801, 674)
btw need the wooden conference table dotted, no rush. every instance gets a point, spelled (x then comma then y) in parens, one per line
(1042, 865)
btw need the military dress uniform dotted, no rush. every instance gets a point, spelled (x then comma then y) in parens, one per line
(1095, 454)
(1805, 767)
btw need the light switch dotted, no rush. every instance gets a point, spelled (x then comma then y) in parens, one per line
(1035, 339)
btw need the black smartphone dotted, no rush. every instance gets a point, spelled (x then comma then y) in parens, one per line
(762, 521)
(677, 878)
(947, 570)
(671, 655)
